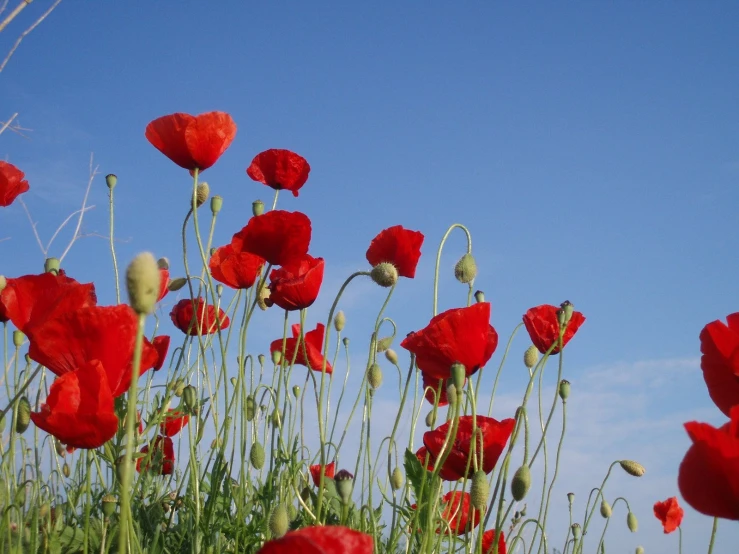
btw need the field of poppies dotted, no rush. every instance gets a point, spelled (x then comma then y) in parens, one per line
(239, 451)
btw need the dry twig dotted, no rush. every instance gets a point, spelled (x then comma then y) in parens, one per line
(25, 33)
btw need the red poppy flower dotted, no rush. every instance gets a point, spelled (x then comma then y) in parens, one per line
(398, 246)
(100, 333)
(280, 169)
(161, 345)
(456, 508)
(295, 286)
(12, 183)
(183, 317)
(328, 539)
(709, 473)
(192, 142)
(79, 410)
(309, 351)
(720, 361)
(488, 541)
(173, 422)
(495, 435)
(315, 472)
(669, 513)
(543, 327)
(163, 283)
(31, 299)
(431, 386)
(278, 236)
(461, 335)
(161, 460)
(238, 270)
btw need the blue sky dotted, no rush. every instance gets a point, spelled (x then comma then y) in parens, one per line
(591, 148)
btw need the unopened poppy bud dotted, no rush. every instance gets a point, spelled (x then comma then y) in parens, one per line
(292, 512)
(384, 274)
(176, 284)
(276, 357)
(111, 181)
(201, 194)
(531, 356)
(564, 389)
(263, 300)
(257, 207)
(479, 296)
(384, 343)
(571, 497)
(344, 485)
(234, 381)
(451, 393)
(605, 509)
(142, 281)
(568, 309)
(466, 269)
(109, 504)
(631, 522)
(179, 387)
(18, 338)
(561, 317)
(479, 491)
(190, 397)
(396, 479)
(163, 263)
(65, 469)
(521, 482)
(391, 356)
(3, 283)
(374, 376)
(639, 550)
(279, 522)
(458, 375)
(339, 321)
(632, 468)
(261, 358)
(276, 417)
(256, 455)
(216, 203)
(51, 265)
(296, 391)
(430, 419)
(251, 408)
(219, 290)
(576, 530)
(22, 415)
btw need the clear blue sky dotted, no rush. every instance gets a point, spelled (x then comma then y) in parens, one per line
(590, 147)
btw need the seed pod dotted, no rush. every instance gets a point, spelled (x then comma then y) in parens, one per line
(51, 265)
(109, 504)
(111, 181)
(576, 530)
(23, 415)
(374, 376)
(279, 522)
(458, 375)
(605, 509)
(479, 491)
(479, 296)
(216, 203)
(466, 269)
(564, 389)
(296, 391)
(257, 208)
(344, 485)
(632, 523)
(18, 338)
(396, 479)
(256, 455)
(521, 483)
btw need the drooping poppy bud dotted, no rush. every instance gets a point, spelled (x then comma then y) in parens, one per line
(374, 376)
(632, 468)
(384, 274)
(391, 356)
(521, 483)
(23, 415)
(632, 523)
(202, 191)
(396, 479)
(605, 509)
(466, 269)
(531, 356)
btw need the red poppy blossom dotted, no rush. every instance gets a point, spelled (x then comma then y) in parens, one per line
(720, 361)
(79, 410)
(495, 435)
(456, 508)
(12, 183)
(173, 422)
(315, 472)
(488, 541)
(163, 283)
(161, 345)
(295, 286)
(431, 386)
(308, 352)
(161, 460)
(462, 335)
(398, 246)
(192, 142)
(278, 236)
(280, 169)
(328, 539)
(709, 474)
(31, 299)
(183, 316)
(238, 270)
(543, 327)
(669, 513)
(100, 333)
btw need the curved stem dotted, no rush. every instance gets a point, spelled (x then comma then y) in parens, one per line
(438, 257)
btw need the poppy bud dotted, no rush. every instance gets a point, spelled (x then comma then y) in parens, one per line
(257, 208)
(639, 550)
(276, 357)
(163, 263)
(212, 252)
(276, 417)
(345, 342)
(256, 455)
(479, 296)
(44, 510)
(632, 523)
(521, 482)
(142, 281)
(633, 468)
(178, 387)
(344, 485)
(261, 359)
(571, 497)
(51, 265)
(384, 274)
(430, 419)
(109, 504)
(466, 269)
(190, 397)
(234, 381)
(605, 509)
(576, 530)
(292, 512)
(216, 203)
(339, 321)
(111, 180)
(479, 491)
(176, 284)
(65, 469)
(531, 356)
(23, 415)
(201, 194)
(384, 343)
(251, 408)
(374, 376)
(3, 283)
(568, 309)
(451, 393)
(263, 300)
(296, 391)
(396, 479)
(278, 521)
(458, 375)
(564, 389)
(391, 356)
(18, 338)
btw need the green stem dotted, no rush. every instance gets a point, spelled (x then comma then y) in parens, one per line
(112, 251)
(713, 535)
(438, 258)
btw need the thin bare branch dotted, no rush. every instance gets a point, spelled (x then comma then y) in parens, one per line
(33, 226)
(93, 173)
(25, 33)
(7, 123)
(69, 218)
(6, 238)
(12, 15)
